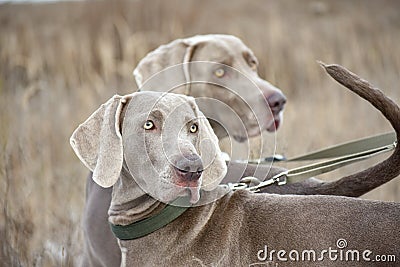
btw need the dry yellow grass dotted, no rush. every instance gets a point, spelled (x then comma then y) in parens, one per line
(58, 62)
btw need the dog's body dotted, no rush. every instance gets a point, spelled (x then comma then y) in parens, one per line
(152, 151)
(242, 229)
(101, 246)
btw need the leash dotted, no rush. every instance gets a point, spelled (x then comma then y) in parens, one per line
(339, 156)
(340, 150)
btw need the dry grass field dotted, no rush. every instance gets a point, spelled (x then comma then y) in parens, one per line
(60, 61)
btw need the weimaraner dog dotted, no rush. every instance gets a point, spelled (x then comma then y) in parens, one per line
(224, 49)
(231, 77)
(101, 246)
(155, 148)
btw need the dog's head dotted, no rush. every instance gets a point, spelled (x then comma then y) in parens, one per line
(222, 68)
(162, 140)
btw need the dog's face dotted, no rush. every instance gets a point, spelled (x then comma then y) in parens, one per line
(162, 140)
(224, 80)
(235, 81)
(160, 137)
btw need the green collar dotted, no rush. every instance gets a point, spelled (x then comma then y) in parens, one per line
(149, 225)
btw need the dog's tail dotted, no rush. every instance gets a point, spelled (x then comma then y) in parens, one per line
(385, 170)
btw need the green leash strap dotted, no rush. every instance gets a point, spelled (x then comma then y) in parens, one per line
(353, 147)
(340, 155)
(149, 225)
(302, 173)
(344, 149)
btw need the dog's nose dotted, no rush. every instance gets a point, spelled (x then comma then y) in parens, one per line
(276, 102)
(189, 168)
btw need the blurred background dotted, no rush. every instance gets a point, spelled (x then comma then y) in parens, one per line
(59, 61)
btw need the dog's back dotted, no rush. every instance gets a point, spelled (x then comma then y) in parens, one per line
(244, 229)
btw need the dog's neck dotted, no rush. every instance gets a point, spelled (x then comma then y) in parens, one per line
(129, 202)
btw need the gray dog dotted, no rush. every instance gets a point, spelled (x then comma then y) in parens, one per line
(154, 148)
(227, 69)
(101, 246)
(232, 55)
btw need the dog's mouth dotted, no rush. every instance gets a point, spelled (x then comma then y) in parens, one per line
(186, 183)
(274, 124)
(270, 126)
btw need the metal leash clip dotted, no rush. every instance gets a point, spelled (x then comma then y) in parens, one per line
(238, 186)
(279, 179)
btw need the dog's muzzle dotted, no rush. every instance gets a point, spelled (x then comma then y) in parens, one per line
(188, 169)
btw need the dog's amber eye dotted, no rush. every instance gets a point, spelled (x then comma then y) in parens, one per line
(219, 72)
(193, 128)
(253, 65)
(148, 125)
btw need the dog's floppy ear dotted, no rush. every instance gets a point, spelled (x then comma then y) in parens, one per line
(176, 52)
(207, 145)
(98, 142)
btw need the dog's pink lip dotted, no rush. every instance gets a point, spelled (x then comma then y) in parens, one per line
(274, 125)
(180, 180)
(185, 183)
